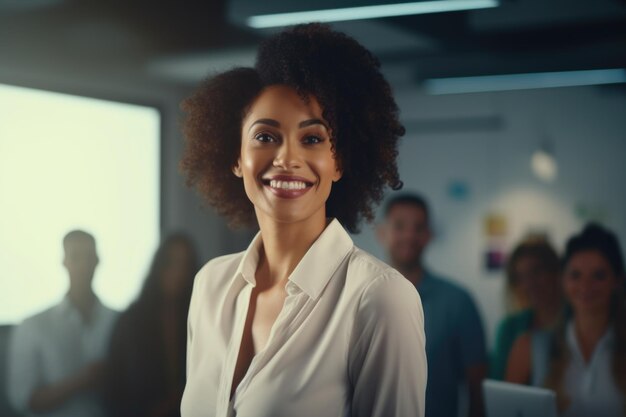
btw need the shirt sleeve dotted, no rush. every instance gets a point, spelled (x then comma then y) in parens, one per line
(387, 364)
(191, 318)
(23, 366)
(471, 336)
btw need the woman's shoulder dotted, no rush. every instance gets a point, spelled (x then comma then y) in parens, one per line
(517, 322)
(365, 266)
(388, 315)
(518, 369)
(523, 343)
(218, 270)
(381, 286)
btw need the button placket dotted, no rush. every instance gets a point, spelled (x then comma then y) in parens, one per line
(260, 359)
(233, 349)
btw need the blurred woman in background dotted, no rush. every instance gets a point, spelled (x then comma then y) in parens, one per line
(534, 291)
(146, 368)
(584, 360)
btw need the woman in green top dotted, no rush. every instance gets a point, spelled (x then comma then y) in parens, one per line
(534, 290)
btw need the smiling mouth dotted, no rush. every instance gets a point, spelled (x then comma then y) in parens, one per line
(287, 188)
(288, 185)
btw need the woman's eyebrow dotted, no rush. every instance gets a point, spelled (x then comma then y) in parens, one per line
(270, 122)
(310, 122)
(275, 123)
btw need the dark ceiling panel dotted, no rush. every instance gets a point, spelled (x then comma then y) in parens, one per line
(126, 37)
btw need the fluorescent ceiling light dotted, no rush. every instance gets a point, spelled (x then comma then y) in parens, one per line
(366, 12)
(523, 81)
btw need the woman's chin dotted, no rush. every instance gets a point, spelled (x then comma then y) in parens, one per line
(590, 306)
(289, 213)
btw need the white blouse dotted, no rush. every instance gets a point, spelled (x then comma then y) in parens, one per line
(591, 386)
(349, 340)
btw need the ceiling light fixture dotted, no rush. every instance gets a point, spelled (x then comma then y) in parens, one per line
(543, 163)
(508, 82)
(366, 12)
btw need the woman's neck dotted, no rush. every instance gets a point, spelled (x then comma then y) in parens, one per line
(589, 330)
(285, 244)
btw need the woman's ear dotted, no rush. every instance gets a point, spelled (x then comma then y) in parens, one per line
(338, 174)
(338, 170)
(237, 169)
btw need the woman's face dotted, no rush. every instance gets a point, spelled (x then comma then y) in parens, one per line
(286, 160)
(537, 283)
(589, 282)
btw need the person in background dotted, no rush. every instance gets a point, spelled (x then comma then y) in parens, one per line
(455, 341)
(55, 358)
(145, 376)
(532, 281)
(584, 359)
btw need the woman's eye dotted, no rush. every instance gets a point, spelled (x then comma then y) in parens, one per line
(310, 140)
(599, 276)
(574, 275)
(264, 137)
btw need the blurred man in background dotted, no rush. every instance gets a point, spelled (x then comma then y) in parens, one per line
(455, 341)
(55, 357)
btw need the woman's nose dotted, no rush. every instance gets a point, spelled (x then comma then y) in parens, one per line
(287, 156)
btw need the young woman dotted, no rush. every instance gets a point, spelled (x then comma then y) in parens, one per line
(533, 282)
(145, 373)
(302, 323)
(584, 361)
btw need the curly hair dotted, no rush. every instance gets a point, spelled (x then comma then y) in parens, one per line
(357, 104)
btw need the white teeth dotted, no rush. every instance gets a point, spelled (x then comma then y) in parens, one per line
(287, 185)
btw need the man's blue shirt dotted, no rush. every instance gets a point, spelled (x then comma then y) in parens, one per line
(455, 340)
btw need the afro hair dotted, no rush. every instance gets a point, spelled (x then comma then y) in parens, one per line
(357, 103)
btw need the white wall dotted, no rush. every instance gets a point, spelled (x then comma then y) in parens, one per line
(586, 126)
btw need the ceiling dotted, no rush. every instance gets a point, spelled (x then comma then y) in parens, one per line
(168, 43)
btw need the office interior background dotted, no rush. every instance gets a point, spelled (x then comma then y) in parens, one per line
(515, 113)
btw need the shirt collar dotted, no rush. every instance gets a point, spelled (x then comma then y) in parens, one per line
(605, 342)
(316, 267)
(247, 265)
(68, 308)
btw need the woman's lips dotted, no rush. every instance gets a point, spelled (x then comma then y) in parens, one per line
(287, 186)
(590, 299)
